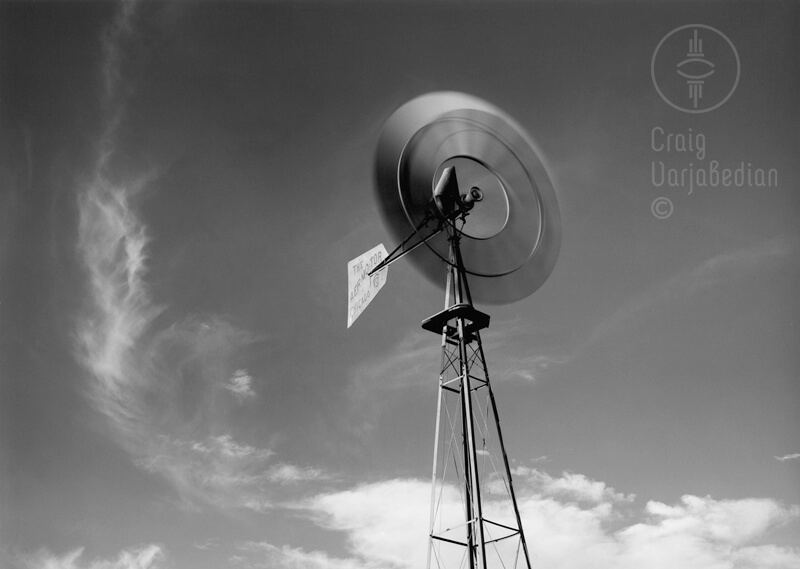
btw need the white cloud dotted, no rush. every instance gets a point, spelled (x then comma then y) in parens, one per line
(788, 457)
(385, 522)
(157, 387)
(766, 557)
(264, 555)
(228, 447)
(145, 557)
(571, 522)
(702, 533)
(570, 486)
(216, 470)
(289, 474)
(733, 522)
(239, 385)
(204, 544)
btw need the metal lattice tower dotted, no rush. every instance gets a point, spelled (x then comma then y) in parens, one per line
(475, 520)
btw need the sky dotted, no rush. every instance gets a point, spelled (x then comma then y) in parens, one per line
(182, 185)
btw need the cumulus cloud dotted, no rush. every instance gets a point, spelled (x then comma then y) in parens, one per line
(267, 556)
(733, 522)
(571, 522)
(570, 486)
(144, 557)
(766, 557)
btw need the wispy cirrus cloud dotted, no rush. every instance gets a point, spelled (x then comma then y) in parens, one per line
(239, 385)
(711, 272)
(158, 385)
(785, 457)
(517, 350)
(220, 471)
(529, 357)
(215, 470)
(413, 362)
(205, 544)
(571, 522)
(292, 474)
(158, 388)
(144, 557)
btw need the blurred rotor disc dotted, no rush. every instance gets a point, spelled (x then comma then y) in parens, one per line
(511, 237)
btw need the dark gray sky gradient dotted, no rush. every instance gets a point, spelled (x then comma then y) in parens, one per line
(658, 360)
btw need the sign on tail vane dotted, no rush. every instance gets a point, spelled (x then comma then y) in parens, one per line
(362, 288)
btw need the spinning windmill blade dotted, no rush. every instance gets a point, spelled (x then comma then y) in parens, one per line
(512, 237)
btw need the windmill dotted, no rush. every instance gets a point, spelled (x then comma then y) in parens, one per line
(462, 188)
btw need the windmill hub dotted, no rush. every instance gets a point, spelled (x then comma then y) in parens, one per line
(474, 195)
(487, 204)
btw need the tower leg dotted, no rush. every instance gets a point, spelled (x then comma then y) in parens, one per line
(475, 518)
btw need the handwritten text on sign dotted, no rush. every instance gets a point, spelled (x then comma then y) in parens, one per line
(361, 289)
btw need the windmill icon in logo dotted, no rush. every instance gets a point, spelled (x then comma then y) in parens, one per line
(700, 78)
(695, 55)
